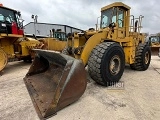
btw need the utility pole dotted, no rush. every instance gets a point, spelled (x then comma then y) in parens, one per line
(34, 17)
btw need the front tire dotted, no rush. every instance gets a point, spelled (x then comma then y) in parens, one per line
(106, 63)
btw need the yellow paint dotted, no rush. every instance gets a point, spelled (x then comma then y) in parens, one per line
(129, 40)
(116, 4)
(54, 44)
(3, 59)
(10, 35)
(90, 44)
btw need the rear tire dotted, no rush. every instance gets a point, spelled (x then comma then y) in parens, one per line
(106, 63)
(64, 51)
(142, 58)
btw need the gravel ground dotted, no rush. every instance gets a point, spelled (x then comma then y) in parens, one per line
(138, 99)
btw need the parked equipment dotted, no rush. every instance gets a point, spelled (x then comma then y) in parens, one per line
(13, 44)
(154, 42)
(52, 76)
(57, 40)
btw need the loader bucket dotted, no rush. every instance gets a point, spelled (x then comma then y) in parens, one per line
(155, 50)
(54, 81)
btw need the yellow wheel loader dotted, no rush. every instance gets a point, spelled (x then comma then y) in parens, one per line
(154, 42)
(13, 44)
(57, 40)
(55, 80)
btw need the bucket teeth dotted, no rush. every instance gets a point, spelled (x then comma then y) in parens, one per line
(54, 81)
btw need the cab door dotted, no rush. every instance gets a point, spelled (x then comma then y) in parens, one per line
(120, 22)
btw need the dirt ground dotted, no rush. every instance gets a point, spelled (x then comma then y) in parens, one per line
(138, 99)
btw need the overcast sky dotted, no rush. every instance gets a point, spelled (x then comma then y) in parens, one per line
(83, 13)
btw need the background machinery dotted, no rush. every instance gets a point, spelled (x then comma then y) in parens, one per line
(105, 51)
(57, 40)
(154, 42)
(13, 44)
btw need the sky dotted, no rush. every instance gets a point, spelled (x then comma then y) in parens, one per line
(83, 14)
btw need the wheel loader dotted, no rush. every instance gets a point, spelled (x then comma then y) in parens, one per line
(154, 42)
(56, 80)
(13, 44)
(57, 40)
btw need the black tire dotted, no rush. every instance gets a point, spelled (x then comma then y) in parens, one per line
(99, 64)
(27, 59)
(132, 66)
(142, 57)
(64, 51)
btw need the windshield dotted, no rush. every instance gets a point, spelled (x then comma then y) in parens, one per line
(154, 39)
(112, 15)
(59, 35)
(106, 18)
(9, 16)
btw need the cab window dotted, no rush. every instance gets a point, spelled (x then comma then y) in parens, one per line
(114, 15)
(120, 18)
(1, 18)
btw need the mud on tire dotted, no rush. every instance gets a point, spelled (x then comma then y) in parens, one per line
(106, 63)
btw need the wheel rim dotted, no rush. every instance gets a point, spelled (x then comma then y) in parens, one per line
(115, 65)
(3, 59)
(146, 57)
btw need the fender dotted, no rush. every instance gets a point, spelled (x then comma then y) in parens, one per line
(91, 43)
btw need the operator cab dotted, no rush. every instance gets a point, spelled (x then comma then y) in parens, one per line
(116, 15)
(112, 15)
(154, 39)
(58, 34)
(10, 22)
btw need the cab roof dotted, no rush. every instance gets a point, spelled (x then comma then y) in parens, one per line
(1, 6)
(116, 4)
